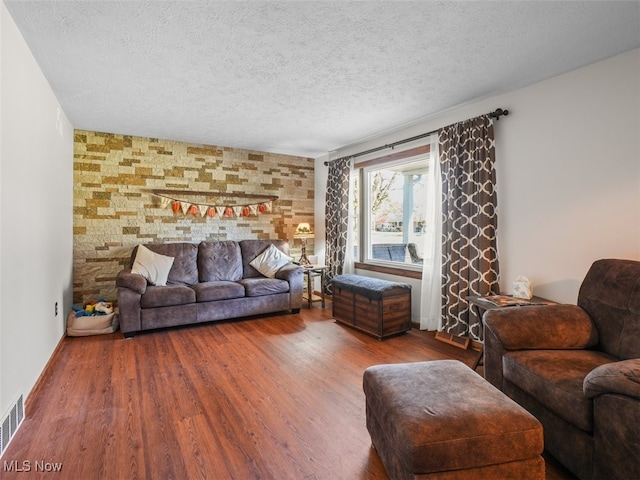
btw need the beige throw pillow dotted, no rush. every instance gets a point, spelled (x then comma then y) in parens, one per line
(152, 266)
(270, 261)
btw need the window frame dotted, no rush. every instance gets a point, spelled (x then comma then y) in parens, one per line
(404, 157)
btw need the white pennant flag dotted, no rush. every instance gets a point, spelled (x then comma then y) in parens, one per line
(254, 209)
(203, 209)
(220, 211)
(185, 207)
(237, 210)
(164, 202)
(268, 204)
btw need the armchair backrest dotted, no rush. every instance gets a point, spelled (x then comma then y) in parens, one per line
(610, 294)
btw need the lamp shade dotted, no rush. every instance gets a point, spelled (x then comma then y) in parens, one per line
(303, 230)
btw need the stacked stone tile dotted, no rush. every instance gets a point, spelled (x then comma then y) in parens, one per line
(115, 208)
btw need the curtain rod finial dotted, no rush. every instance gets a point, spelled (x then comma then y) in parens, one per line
(498, 113)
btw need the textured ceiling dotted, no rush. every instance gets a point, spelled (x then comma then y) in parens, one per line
(303, 77)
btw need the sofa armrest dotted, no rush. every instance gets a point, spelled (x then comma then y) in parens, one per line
(621, 378)
(131, 287)
(542, 327)
(289, 272)
(132, 281)
(293, 273)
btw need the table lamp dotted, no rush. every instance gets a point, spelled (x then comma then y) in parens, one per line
(303, 231)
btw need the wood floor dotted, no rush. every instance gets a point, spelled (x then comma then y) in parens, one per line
(272, 398)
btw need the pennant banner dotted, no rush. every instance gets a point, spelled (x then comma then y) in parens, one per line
(212, 211)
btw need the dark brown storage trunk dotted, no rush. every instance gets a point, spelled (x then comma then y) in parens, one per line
(382, 318)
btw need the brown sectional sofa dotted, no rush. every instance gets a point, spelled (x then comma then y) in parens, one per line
(207, 281)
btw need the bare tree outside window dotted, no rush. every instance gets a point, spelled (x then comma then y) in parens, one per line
(380, 187)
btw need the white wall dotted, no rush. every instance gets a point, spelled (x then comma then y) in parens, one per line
(568, 173)
(36, 217)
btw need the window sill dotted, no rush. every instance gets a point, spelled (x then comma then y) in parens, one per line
(401, 272)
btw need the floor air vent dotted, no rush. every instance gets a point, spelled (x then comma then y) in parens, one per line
(10, 423)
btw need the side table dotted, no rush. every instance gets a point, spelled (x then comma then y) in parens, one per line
(482, 304)
(311, 272)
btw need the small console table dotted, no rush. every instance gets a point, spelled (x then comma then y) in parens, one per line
(482, 304)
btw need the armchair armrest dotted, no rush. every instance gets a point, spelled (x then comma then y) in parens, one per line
(621, 377)
(132, 281)
(542, 327)
(533, 327)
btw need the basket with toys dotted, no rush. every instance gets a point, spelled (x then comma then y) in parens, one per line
(94, 318)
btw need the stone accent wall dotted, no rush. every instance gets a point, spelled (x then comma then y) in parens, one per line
(114, 208)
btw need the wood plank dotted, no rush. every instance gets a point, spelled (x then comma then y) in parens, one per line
(265, 398)
(451, 339)
(343, 302)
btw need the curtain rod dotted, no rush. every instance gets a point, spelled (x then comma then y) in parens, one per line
(495, 114)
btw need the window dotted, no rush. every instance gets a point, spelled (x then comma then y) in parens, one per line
(393, 201)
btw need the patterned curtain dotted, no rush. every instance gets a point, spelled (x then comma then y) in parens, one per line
(337, 213)
(469, 249)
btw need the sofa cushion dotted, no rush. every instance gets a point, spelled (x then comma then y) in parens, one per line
(152, 266)
(185, 268)
(555, 379)
(219, 261)
(171, 295)
(221, 290)
(252, 248)
(257, 287)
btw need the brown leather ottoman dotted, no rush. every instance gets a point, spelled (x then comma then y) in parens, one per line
(440, 420)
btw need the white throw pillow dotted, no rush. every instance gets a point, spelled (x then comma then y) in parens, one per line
(270, 261)
(152, 266)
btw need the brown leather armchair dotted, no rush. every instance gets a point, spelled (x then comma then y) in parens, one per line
(577, 369)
